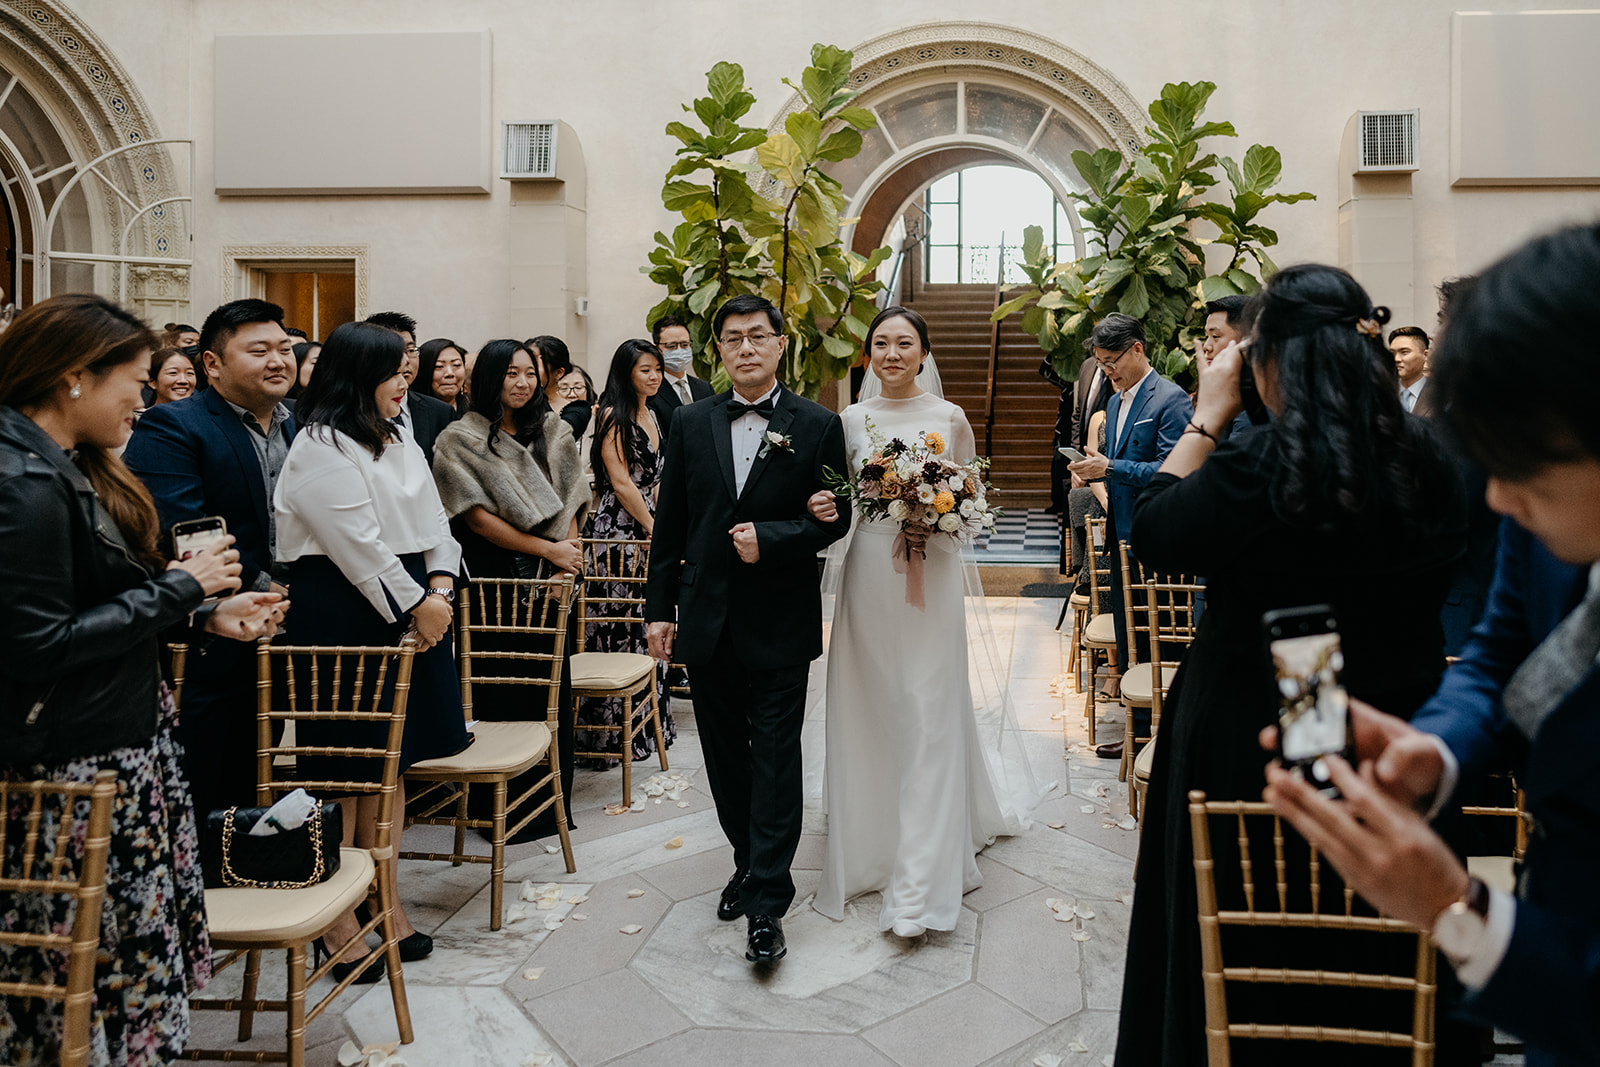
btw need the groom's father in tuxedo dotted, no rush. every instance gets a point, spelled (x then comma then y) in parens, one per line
(734, 595)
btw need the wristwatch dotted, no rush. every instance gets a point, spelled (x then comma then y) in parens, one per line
(1460, 928)
(448, 594)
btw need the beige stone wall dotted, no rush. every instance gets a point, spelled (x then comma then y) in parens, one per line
(1290, 72)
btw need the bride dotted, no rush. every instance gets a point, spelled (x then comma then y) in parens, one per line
(910, 794)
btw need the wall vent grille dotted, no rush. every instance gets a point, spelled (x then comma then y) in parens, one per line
(1388, 141)
(530, 150)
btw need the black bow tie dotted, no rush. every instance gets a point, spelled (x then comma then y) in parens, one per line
(737, 407)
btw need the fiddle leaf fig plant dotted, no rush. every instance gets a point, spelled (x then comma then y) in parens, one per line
(1144, 258)
(770, 226)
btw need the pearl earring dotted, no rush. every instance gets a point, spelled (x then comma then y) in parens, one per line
(76, 391)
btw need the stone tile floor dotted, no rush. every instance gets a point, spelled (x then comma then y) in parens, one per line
(1010, 985)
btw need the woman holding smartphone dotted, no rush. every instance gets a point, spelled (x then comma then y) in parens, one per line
(371, 560)
(1342, 500)
(87, 599)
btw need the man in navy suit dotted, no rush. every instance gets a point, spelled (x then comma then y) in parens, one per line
(1527, 686)
(219, 452)
(1144, 420)
(678, 386)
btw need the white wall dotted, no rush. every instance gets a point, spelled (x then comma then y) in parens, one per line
(1289, 74)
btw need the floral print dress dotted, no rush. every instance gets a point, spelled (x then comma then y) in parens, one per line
(611, 520)
(154, 950)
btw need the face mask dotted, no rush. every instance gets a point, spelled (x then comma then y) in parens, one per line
(677, 360)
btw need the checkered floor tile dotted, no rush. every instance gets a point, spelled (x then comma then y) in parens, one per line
(1030, 536)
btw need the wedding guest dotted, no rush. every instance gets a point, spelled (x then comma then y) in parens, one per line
(511, 483)
(305, 360)
(1143, 420)
(1305, 511)
(1224, 326)
(172, 376)
(1469, 588)
(1409, 346)
(1527, 688)
(679, 386)
(370, 556)
(219, 453)
(179, 335)
(88, 595)
(424, 416)
(627, 468)
(578, 388)
(554, 362)
(442, 373)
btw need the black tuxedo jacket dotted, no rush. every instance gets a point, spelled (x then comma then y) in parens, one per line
(427, 416)
(771, 610)
(666, 402)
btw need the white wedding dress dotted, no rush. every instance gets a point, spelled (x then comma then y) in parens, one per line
(910, 793)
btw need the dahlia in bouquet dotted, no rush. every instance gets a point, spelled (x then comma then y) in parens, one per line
(914, 485)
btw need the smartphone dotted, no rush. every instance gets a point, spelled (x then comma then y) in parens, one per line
(197, 535)
(1313, 707)
(1072, 453)
(1251, 396)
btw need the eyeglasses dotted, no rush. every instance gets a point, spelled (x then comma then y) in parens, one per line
(1107, 364)
(570, 390)
(735, 342)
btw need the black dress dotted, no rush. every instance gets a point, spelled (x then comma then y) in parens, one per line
(1385, 577)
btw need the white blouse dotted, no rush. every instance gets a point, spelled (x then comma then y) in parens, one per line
(363, 514)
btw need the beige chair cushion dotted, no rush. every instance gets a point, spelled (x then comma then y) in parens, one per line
(1136, 683)
(256, 918)
(1145, 760)
(498, 748)
(610, 670)
(1497, 872)
(1079, 601)
(1101, 631)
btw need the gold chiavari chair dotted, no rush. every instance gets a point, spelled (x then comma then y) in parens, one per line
(57, 876)
(535, 612)
(1097, 639)
(609, 562)
(317, 685)
(1501, 871)
(1165, 618)
(1250, 820)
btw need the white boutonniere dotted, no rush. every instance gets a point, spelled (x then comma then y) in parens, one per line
(772, 439)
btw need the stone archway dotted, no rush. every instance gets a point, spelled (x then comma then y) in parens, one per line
(92, 193)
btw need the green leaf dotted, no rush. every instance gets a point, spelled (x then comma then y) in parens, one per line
(859, 117)
(1216, 287)
(724, 80)
(780, 157)
(1136, 301)
(1112, 274)
(701, 298)
(812, 83)
(1098, 169)
(806, 129)
(708, 110)
(1136, 210)
(1033, 320)
(1232, 170)
(680, 196)
(1053, 300)
(840, 145)
(1263, 166)
(1013, 305)
(683, 133)
(834, 65)
(838, 347)
(1243, 281)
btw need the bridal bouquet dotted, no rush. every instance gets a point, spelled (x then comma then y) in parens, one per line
(927, 494)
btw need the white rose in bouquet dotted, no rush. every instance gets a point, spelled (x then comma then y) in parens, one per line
(930, 516)
(899, 511)
(925, 493)
(968, 508)
(949, 522)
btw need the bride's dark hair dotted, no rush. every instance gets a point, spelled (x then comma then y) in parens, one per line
(1346, 446)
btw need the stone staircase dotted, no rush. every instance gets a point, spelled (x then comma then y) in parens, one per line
(1025, 404)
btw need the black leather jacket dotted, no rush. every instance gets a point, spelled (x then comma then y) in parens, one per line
(79, 615)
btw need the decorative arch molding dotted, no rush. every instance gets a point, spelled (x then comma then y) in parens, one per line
(95, 108)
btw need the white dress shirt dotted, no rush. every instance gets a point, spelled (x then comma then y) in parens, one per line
(747, 436)
(363, 514)
(1125, 407)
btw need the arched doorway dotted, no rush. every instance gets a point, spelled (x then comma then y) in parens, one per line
(91, 198)
(953, 96)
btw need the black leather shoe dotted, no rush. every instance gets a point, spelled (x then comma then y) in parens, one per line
(419, 946)
(1111, 751)
(765, 943)
(730, 907)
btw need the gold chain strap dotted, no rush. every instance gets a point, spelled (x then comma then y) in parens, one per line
(234, 881)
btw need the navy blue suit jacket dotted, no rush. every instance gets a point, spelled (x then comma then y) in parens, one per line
(196, 458)
(1545, 990)
(1156, 418)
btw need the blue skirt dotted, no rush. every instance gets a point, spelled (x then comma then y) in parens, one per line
(327, 610)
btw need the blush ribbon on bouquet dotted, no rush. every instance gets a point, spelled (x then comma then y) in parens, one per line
(908, 562)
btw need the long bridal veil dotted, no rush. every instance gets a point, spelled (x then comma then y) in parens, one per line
(987, 670)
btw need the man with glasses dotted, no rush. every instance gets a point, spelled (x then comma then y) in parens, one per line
(678, 386)
(425, 415)
(734, 592)
(1143, 422)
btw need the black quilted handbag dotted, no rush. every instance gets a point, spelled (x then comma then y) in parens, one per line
(288, 859)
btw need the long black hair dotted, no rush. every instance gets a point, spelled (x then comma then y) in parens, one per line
(619, 404)
(354, 361)
(1544, 297)
(489, 381)
(1346, 447)
(427, 359)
